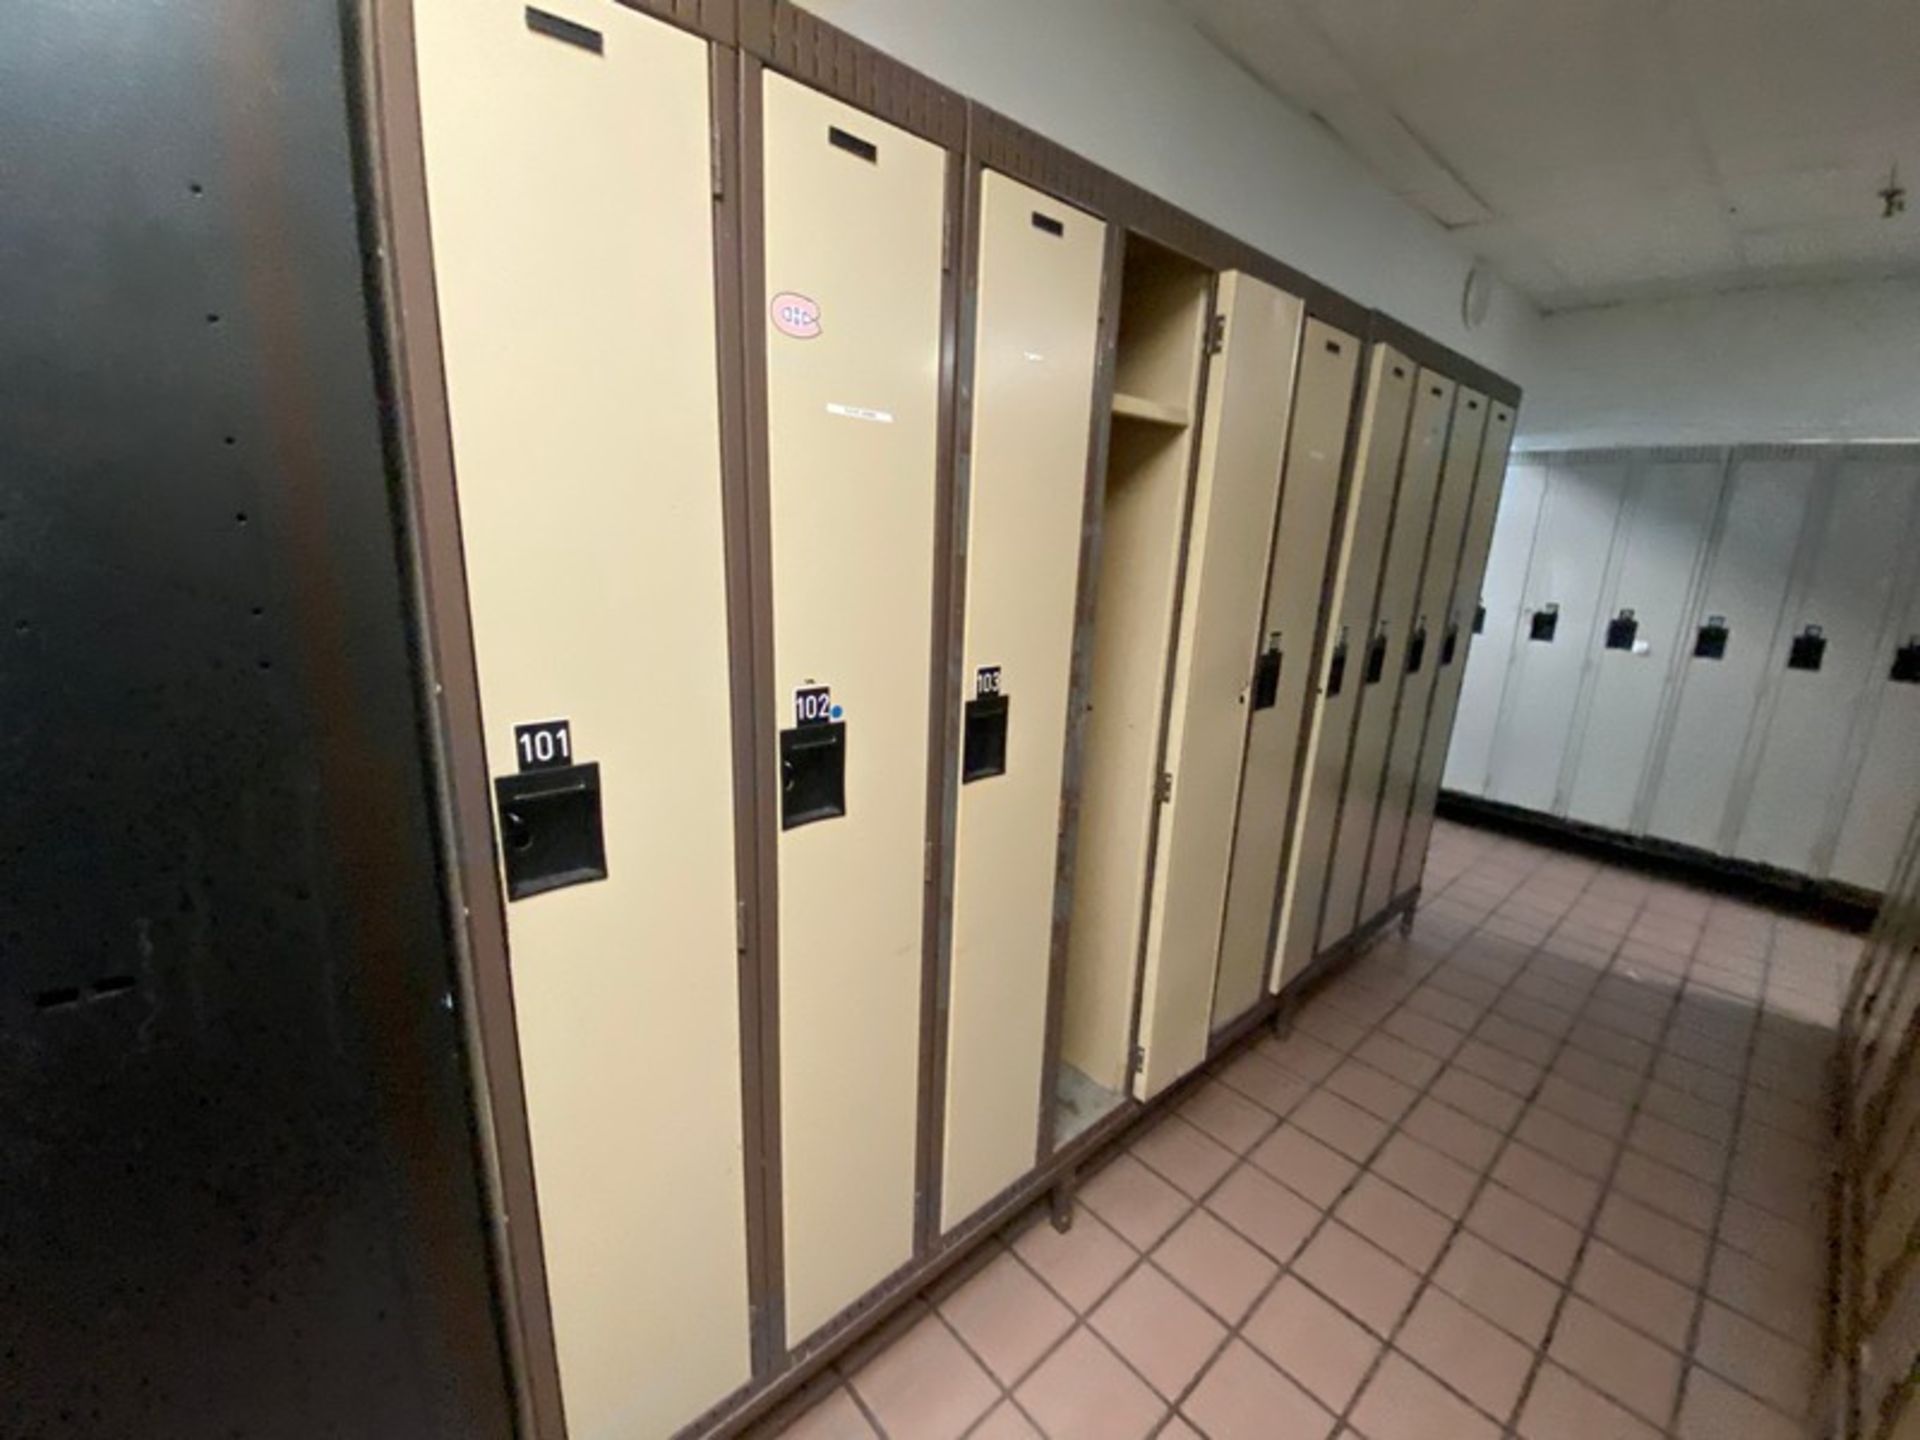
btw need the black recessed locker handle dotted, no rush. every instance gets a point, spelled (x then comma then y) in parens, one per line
(1450, 643)
(550, 830)
(1266, 676)
(1416, 648)
(983, 749)
(1711, 642)
(1808, 649)
(1480, 617)
(813, 773)
(1544, 622)
(1622, 630)
(1906, 663)
(1337, 667)
(1376, 658)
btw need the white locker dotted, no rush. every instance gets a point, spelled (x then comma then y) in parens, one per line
(1559, 606)
(1640, 651)
(1733, 629)
(1492, 621)
(1886, 790)
(1823, 664)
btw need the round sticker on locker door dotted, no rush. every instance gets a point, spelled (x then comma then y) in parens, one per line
(794, 314)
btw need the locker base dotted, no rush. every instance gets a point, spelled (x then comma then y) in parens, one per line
(1828, 901)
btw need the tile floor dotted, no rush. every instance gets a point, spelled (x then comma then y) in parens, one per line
(1550, 1166)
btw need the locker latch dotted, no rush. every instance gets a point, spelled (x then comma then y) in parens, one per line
(1450, 643)
(1480, 617)
(983, 751)
(813, 773)
(1622, 630)
(1416, 648)
(550, 830)
(1906, 663)
(1711, 642)
(1266, 676)
(1337, 666)
(1808, 650)
(1544, 622)
(1376, 658)
(1217, 334)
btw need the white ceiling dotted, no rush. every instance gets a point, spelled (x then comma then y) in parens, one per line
(1594, 151)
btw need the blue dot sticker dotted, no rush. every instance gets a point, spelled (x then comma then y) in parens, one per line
(838, 712)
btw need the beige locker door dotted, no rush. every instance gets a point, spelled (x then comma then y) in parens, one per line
(1035, 346)
(854, 215)
(1425, 637)
(1376, 474)
(1236, 493)
(1384, 663)
(1309, 497)
(1456, 634)
(570, 197)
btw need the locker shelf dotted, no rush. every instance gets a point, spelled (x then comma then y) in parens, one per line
(1136, 407)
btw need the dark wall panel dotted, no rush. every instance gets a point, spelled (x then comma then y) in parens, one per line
(238, 1188)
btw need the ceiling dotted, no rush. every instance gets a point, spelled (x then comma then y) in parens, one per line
(1595, 151)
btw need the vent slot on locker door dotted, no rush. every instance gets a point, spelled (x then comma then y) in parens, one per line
(1906, 663)
(1376, 658)
(813, 773)
(1711, 642)
(1450, 643)
(1416, 648)
(983, 751)
(1544, 623)
(1266, 677)
(1808, 650)
(550, 830)
(1622, 630)
(1337, 668)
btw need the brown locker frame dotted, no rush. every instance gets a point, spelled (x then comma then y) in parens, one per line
(746, 37)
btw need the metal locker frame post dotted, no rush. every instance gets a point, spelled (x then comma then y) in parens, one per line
(1402, 566)
(1389, 404)
(1235, 497)
(1427, 644)
(1323, 425)
(1489, 489)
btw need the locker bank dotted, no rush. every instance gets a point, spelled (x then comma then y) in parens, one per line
(663, 673)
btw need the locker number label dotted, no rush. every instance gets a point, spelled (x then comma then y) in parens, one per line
(543, 745)
(813, 705)
(986, 681)
(794, 314)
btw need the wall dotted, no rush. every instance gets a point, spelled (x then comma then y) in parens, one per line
(1813, 362)
(1132, 85)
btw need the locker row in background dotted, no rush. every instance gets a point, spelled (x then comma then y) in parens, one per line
(1713, 648)
(941, 661)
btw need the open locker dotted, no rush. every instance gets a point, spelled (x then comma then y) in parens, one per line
(1456, 639)
(1492, 621)
(1309, 502)
(1376, 478)
(1217, 667)
(1559, 619)
(1041, 268)
(1390, 648)
(570, 194)
(1732, 644)
(854, 218)
(1164, 306)
(1426, 642)
(1638, 652)
(1825, 663)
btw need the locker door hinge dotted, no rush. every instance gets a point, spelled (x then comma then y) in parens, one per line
(1139, 1061)
(717, 155)
(1165, 791)
(740, 926)
(926, 863)
(946, 240)
(1217, 335)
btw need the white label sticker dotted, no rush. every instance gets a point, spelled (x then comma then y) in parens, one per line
(860, 412)
(1642, 647)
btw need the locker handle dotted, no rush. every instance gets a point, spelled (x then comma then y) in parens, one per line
(1376, 659)
(846, 140)
(1337, 668)
(1906, 663)
(1711, 642)
(1808, 650)
(1544, 623)
(570, 32)
(1416, 649)
(1449, 644)
(1266, 678)
(1048, 224)
(1622, 631)
(1480, 617)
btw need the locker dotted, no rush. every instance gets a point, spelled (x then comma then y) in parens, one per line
(1436, 746)
(1789, 809)
(854, 219)
(1159, 361)
(1560, 608)
(1886, 790)
(1426, 643)
(1236, 494)
(1663, 543)
(1036, 334)
(1489, 614)
(1376, 476)
(570, 195)
(1751, 561)
(1379, 697)
(1309, 499)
